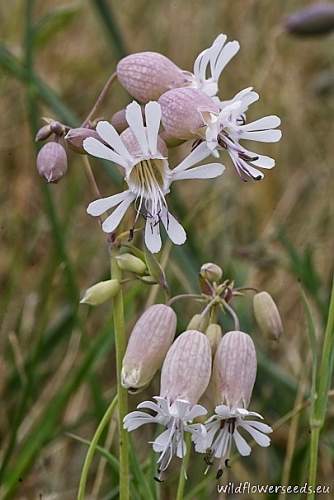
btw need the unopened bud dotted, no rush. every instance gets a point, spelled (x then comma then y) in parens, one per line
(43, 133)
(316, 19)
(128, 262)
(211, 272)
(214, 334)
(118, 121)
(76, 136)
(148, 344)
(52, 161)
(147, 75)
(198, 322)
(267, 315)
(186, 370)
(100, 292)
(182, 112)
(234, 369)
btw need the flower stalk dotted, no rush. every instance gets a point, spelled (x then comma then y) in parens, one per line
(319, 406)
(120, 344)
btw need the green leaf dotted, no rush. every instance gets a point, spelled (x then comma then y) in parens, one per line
(54, 22)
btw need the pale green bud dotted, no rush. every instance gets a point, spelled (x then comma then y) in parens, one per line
(128, 262)
(198, 322)
(211, 272)
(214, 334)
(267, 315)
(101, 292)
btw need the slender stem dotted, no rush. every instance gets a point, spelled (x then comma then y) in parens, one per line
(92, 448)
(100, 98)
(233, 314)
(120, 344)
(183, 471)
(184, 296)
(319, 407)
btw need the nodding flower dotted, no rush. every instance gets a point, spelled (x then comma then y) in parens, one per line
(189, 114)
(148, 75)
(150, 339)
(185, 376)
(234, 373)
(142, 154)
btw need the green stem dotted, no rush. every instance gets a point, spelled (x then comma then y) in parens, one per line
(120, 344)
(183, 471)
(319, 407)
(92, 448)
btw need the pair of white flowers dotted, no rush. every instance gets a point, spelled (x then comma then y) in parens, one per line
(192, 112)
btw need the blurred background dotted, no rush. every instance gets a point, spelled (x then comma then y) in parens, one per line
(57, 364)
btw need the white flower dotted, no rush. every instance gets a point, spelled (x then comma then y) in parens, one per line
(146, 172)
(225, 129)
(211, 62)
(223, 428)
(176, 417)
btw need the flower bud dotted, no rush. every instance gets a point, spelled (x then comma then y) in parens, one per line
(147, 75)
(198, 322)
(187, 368)
(234, 369)
(100, 292)
(267, 315)
(182, 112)
(214, 334)
(211, 272)
(43, 133)
(118, 120)
(76, 136)
(52, 161)
(316, 19)
(148, 344)
(128, 262)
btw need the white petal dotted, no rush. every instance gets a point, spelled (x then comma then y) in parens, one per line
(98, 207)
(150, 406)
(134, 117)
(96, 148)
(107, 132)
(267, 122)
(260, 426)
(263, 161)
(209, 171)
(181, 448)
(153, 117)
(196, 411)
(223, 411)
(111, 222)
(260, 438)
(152, 236)
(243, 447)
(162, 441)
(197, 155)
(227, 53)
(220, 444)
(136, 419)
(201, 64)
(174, 229)
(262, 135)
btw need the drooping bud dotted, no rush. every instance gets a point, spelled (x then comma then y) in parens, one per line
(198, 322)
(211, 272)
(100, 292)
(267, 315)
(118, 120)
(128, 262)
(183, 111)
(148, 344)
(147, 75)
(316, 19)
(52, 161)
(43, 133)
(76, 136)
(214, 334)
(234, 369)
(187, 368)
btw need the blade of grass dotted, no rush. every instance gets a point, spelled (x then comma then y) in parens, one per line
(107, 18)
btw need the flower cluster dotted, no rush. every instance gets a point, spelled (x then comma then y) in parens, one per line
(200, 369)
(174, 107)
